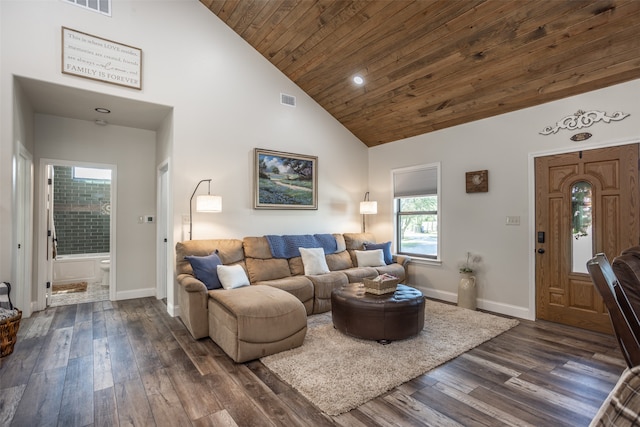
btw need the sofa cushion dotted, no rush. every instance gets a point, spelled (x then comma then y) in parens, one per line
(356, 241)
(339, 261)
(267, 269)
(323, 284)
(229, 250)
(256, 247)
(205, 268)
(314, 261)
(374, 258)
(232, 276)
(386, 250)
(342, 246)
(299, 286)
(357, 274)
(296, 266)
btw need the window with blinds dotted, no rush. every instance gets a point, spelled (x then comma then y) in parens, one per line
(100, 6)
(416, 200)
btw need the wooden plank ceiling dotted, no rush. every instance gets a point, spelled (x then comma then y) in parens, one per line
(432, 64)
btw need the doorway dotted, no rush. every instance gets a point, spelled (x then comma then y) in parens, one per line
(586, 203)
(79, 232)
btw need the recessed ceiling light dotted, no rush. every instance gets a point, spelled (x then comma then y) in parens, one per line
(358, 80)
(101, 122)
(102, 110)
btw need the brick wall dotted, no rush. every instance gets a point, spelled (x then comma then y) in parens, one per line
(81, 213)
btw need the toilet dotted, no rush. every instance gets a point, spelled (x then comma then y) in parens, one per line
(105, 266)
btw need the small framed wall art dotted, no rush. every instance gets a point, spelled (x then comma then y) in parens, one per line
(477, 181)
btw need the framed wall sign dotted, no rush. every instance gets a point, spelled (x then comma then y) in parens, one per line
(477, 181)
(100, 59)
(285, 180)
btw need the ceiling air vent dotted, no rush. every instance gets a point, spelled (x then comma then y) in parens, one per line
(100, 6)
(289, 100)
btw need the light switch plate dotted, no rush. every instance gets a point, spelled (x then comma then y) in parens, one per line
(513, 220)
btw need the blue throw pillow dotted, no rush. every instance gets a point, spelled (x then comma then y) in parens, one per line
(205, 268)
(386, 250)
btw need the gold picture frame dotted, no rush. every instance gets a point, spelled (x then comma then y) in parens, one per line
(285, 180)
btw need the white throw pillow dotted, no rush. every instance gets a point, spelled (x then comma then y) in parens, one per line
(232, 276)
(374, 258)
(314, 261)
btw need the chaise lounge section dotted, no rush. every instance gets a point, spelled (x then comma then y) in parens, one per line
(252, 322)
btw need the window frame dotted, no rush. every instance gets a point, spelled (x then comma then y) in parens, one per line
(91, 174)
(397, 214)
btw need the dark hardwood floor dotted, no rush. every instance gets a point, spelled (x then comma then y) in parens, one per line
(129, 363)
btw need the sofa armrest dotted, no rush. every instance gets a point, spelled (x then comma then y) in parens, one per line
(403, 260)
(193, 303)
(191, 284)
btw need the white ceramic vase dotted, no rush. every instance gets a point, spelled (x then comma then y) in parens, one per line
(467, 291)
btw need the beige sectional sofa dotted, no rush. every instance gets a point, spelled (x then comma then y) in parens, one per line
(254, 255)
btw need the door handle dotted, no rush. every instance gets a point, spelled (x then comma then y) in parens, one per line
(541, 250)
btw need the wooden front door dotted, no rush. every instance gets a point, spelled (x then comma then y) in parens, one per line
(586, 203)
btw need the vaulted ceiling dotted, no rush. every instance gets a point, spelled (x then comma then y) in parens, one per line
(432, 64)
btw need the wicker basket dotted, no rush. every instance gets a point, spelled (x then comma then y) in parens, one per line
(380, 287)
(8, 332)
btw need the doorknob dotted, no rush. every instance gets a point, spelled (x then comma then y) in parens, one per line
(541, 250)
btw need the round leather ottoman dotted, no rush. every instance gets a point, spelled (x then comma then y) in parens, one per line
(388, 317)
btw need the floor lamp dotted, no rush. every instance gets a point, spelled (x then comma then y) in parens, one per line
(367, 208)
(204, 203)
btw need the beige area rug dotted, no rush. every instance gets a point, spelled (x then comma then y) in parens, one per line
(338, 373)
(69, 288)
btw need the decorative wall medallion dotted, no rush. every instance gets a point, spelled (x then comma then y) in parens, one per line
(477, 181)
(583, 119)
(583, 136)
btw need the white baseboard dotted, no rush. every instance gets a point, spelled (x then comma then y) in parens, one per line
(138, 293)
(492, 306)
(173, 310)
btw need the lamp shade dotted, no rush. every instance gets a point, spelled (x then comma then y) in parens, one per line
(208, 203)
(368, 208)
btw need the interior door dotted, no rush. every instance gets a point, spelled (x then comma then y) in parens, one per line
(586, 203)
(24, 218)
(51, 236)
(163, 233)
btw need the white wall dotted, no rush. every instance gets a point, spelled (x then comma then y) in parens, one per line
(132, 151)
(505, 145)
(225, 99)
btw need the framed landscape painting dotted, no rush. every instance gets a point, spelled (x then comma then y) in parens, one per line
(285, 180)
